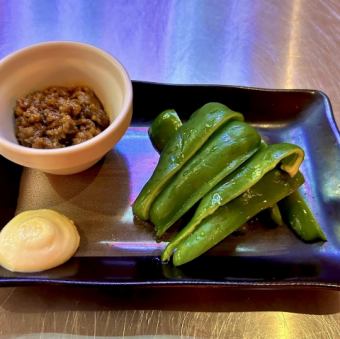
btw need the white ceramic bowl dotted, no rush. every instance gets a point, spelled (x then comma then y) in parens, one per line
(63, 64)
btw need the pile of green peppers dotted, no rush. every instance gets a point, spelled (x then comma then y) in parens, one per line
(219, 164)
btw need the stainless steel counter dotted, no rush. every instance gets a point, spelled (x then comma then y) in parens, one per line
(273, 44)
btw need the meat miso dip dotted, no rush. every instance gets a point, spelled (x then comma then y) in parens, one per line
(59, 117)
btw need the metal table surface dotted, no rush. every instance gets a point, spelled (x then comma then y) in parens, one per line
(273, 44)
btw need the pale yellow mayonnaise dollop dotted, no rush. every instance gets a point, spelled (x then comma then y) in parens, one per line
(37, 240)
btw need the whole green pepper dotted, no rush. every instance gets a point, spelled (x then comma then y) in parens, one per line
(267, 158)
(225, 151)
(231, 216)
(180, 148)
(163, 128)
(297, 214)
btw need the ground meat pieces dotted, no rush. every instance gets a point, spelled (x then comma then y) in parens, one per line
(59, 117)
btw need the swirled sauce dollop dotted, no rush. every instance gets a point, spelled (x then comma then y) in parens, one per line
(37, 240)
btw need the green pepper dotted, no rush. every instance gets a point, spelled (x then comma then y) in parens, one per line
(267, 158)
(275, 215)
(163, 128)
(231, 216)
(180, 148)
(225, 151)
(274, 211)
(297, 214)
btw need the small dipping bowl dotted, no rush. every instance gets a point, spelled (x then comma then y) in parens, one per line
(63, 64)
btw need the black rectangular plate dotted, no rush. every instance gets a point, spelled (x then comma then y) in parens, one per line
(260, 258)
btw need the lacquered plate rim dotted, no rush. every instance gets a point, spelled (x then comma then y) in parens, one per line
(329, 111)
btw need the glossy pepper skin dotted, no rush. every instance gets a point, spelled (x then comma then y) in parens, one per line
(224, 152)
(187, 140)
(287, 156)
(163, 128)
(231, 216)
(297, 214)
